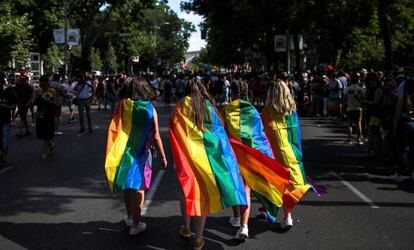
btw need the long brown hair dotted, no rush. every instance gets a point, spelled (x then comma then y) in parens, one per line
(139, 89)
(198, 94)
(280, 98)
(240, 89)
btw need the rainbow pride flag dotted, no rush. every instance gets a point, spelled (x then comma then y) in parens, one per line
(204, 161)
(285, 138)
(266, 177)
(128, 159)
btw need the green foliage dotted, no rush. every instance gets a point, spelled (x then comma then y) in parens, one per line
(111, 61)
(54, 57)
(15, 37)
(343, 32)
(96, 60)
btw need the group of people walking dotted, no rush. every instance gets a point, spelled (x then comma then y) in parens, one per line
(45, 101)
(220, 157)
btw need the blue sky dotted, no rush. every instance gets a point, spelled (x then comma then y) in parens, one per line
(196, 43)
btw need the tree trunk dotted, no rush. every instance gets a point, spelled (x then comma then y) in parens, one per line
(298, 56)
(385, 33)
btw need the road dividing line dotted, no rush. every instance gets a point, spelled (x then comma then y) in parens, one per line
(150, 195)
(4, 170)
(355, 191)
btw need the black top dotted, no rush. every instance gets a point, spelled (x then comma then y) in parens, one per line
(7, 97)
(24, 92)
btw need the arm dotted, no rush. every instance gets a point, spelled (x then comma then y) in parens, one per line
(158, 141)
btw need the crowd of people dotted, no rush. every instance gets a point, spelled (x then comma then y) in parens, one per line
(378, 108)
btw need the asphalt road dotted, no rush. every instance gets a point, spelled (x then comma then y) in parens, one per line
(65, 203)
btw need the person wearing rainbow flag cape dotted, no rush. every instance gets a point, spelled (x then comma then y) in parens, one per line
(133, 129)
(282, 127)
(205, 164)
(262, 175)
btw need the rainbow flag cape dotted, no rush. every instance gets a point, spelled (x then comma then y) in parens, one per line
(285, 138)
(266, 177)
(131, 132)
(204, 161)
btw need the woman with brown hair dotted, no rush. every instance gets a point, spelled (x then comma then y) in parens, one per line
(205, 164)
(134, 128)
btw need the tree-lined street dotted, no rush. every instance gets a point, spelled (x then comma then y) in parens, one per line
(65, 203)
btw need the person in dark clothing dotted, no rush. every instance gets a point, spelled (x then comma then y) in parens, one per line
(8, 101)
(24, 100)
(168, 87)
(45, 122)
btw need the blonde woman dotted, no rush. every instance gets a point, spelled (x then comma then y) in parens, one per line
(282, 128)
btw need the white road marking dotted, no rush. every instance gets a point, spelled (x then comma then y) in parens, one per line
(4, 170)
(150, 194)
(355, 191)
(108, 229)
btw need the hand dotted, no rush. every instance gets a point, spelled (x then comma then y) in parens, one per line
(164, 162)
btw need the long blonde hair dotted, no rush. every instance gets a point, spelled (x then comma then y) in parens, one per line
(280, 98)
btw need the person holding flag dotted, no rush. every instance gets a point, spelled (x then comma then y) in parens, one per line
(205, 164)
(133, 129)
(282, 128)
(262, 175)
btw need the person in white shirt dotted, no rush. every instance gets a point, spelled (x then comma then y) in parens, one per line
(83, 96)
(353, 96)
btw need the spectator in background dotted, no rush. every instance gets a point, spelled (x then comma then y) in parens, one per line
(45, 123)
(180, 85)
(8, 101)
(374, 113)
(335, 96)
(69, 96)
(100, 92)
(25, 97)
(226, 90)
(168, 88)
(316, 96)
(110, 94)
(353, 97)
(60, 97)
(83, 95)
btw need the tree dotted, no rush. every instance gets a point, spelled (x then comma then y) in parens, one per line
(96, 61)
(54, 57)
(15, 33)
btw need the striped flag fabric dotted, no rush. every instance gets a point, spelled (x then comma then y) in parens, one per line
(286, 142)
(128, 158)
(266, 177)
(205, 163)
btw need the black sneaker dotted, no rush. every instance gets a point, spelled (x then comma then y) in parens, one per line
(81, 131)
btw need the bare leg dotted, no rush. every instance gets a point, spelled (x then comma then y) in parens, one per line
(349, 132)
(127, 203)
(199, 222)
(136, 197)
(142, 199)
(246, 214)
(236, 211)
(183, 207)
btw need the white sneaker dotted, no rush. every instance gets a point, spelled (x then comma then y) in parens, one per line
(243, 233)
(287, 223)
(128, 221)
(396, 178)
(134, 230)
(235, 221)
